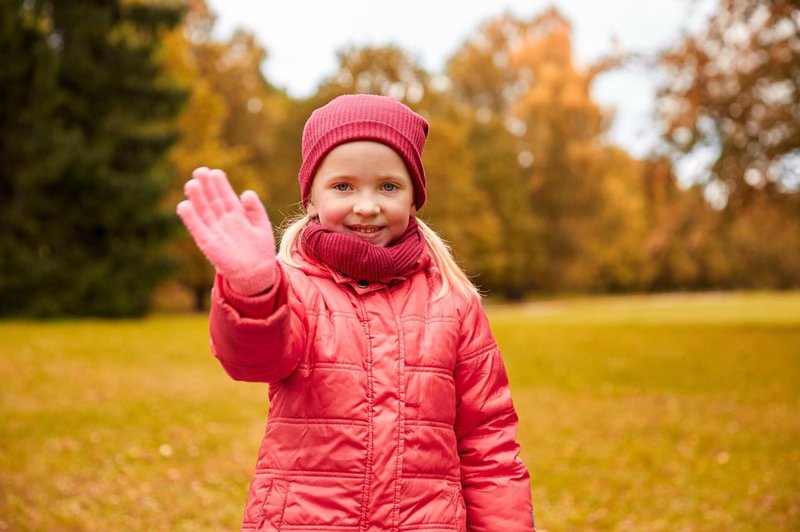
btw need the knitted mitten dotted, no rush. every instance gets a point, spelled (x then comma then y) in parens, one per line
(234, 233)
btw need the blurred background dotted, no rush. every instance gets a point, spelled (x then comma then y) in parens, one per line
(106, 109)
(623, 182)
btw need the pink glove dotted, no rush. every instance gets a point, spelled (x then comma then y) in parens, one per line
(233, 233)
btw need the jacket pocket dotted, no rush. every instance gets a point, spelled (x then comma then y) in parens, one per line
(265, 504)
(459, 510)
(271, 517)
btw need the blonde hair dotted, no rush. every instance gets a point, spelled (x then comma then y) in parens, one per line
(449, 271)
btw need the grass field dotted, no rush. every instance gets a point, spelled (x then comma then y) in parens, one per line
(637, 413)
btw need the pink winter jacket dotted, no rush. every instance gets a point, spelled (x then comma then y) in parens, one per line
(389, 410)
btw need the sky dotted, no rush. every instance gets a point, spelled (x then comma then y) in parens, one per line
(302, 37)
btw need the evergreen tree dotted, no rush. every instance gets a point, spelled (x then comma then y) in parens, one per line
(86, 118)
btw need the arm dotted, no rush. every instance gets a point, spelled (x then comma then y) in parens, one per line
(253, 332)
(495, 482)
(256, 338)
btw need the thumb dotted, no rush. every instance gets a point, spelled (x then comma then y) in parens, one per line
(254, 209)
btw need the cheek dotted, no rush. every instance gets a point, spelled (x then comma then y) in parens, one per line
(333, 211)
(403, 210)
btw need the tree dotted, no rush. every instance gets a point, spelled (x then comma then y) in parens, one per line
(457, 208)
(256, 112)
(83, 228)
(731, 96)
(501, 179)
(520, 73)
(384, 70)
(195, 59)
(683, 251)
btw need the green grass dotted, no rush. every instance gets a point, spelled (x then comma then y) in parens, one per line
(636, 413)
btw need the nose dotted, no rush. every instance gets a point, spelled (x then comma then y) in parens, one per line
(366, 206)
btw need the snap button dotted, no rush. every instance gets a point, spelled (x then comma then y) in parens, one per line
(362, 284)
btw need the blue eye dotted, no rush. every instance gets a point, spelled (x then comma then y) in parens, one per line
(342, 187)
(389, 187)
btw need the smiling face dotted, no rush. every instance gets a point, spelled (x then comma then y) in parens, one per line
(363, 188)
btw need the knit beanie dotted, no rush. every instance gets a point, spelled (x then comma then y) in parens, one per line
(354, 117)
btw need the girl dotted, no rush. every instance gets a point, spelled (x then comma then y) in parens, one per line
(389, 403)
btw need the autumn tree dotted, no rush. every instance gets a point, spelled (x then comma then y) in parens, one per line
(228, 122)
(730, 106)
(501, 179)
(256, 115)
(732, 92)
(683, 251)
(386, 70)
(521, 73)
(457, 207)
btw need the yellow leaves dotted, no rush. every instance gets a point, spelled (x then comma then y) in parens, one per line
(209, 70)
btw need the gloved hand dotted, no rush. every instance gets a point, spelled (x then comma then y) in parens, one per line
(233, 233)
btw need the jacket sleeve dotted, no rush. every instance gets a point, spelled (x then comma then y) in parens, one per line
(495, 482)
(256, 338)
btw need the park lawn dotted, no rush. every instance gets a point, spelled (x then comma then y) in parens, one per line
(674, 412)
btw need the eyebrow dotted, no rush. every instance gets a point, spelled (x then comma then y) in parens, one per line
(338, 176)
(335, 177)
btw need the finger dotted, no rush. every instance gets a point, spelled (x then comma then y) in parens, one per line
(193, 222)
(197, 172)
(209, 189)
(194, 191)
(254, 209)
(224, 190)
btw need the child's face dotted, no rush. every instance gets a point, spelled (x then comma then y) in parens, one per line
(363, 188)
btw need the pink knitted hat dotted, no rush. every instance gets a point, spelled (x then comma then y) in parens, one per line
(355, 117)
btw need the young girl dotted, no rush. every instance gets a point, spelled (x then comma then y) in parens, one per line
(390, 407)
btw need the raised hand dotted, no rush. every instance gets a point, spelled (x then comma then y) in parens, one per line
(233, 232)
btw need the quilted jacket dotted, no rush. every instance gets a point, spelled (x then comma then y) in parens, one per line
(389, 410)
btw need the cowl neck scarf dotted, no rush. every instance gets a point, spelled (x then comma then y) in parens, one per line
(361, 260)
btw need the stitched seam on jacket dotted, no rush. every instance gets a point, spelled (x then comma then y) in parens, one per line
(317, 313)
(319, 421)
(365, 491)
(309, 473)
(283, 508)
(429, 319)
(475, 354)
(430, 423)
(430, 476)
(438, 370)
(344, 366)
(428, 526)
(401, 397)
(316, 528)
(262, 509)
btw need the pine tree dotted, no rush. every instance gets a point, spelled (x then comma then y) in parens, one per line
(86, 118)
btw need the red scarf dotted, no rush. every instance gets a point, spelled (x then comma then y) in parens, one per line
(361, 260)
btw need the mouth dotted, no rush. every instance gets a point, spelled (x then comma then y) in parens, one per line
(364, 229)
(374, 234)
